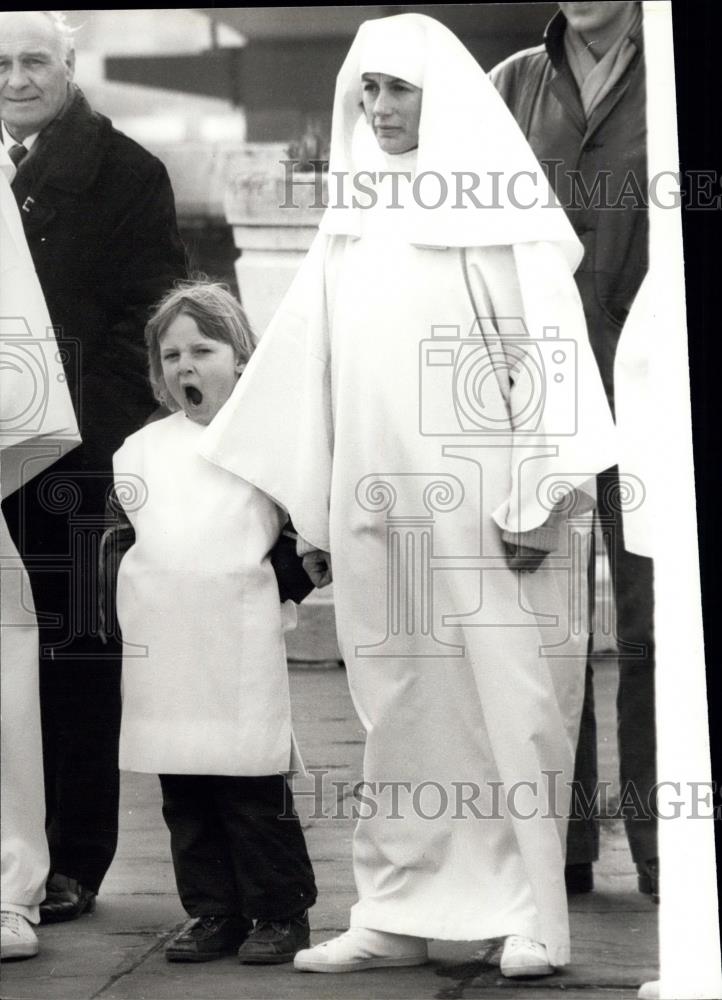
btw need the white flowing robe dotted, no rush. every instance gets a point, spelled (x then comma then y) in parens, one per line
(37, 426)
(353, 438)
(205, 680)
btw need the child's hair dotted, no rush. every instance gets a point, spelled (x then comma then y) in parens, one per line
(218, 314)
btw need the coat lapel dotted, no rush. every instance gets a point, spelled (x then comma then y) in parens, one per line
(562, 83)
(565, 91)
(603, 110)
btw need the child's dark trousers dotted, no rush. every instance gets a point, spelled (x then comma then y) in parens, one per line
(237, 846)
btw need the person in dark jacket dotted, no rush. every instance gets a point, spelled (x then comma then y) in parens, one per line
(99, 217)
(580, 101)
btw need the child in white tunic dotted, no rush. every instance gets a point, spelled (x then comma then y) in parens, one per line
(205, 685)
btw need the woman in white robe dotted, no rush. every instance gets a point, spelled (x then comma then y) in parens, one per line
(37, 426)
(423, 398)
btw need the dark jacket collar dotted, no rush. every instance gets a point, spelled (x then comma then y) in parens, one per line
(554, 39)
(69, 151)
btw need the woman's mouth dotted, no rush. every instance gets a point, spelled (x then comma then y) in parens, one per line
(193, 394)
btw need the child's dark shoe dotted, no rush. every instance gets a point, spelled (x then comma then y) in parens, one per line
(272, 942)
(579, 878)
(207, 938)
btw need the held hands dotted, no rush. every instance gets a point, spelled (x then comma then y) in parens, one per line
(317, 564)
(523, 558)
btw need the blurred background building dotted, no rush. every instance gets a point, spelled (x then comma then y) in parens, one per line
(205, 87)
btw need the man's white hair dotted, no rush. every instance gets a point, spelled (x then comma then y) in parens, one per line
(66, 34)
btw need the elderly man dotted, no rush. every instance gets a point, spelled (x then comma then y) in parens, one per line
(580, 100)
(99, 218)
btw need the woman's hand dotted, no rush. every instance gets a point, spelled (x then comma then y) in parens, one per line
(523, 558)
(318, 566)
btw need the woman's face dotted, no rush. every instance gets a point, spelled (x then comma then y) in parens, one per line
(393, 109)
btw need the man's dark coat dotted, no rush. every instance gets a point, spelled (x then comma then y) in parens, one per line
(606, 155)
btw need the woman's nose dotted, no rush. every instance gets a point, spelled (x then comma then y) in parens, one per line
(382, 105)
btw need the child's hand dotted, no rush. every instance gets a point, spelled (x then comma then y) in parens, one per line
(318, 566)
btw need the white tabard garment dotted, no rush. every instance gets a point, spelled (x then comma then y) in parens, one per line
(374, 471)
(205, 681)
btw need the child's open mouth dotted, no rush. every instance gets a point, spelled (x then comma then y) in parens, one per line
(193, 395)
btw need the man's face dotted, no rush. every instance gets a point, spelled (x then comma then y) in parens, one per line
(588, 18)
(34, 72)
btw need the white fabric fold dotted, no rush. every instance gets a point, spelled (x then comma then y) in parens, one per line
(37, 426)
(37, 421)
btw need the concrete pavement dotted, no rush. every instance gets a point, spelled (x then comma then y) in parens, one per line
(117, 953)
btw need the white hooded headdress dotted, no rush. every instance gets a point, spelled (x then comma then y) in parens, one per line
(466, 134)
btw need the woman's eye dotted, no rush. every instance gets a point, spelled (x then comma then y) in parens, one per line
(169, 357)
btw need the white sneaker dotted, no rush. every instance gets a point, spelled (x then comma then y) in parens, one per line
(17, 938)
(523, 957)
(362, 948)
